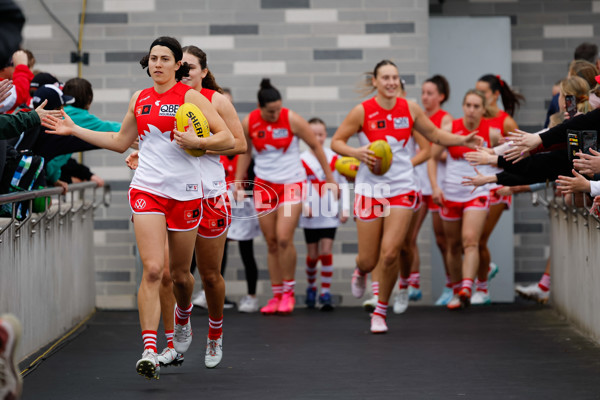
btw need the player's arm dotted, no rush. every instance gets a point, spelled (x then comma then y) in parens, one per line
(116, 141)
(227, 111)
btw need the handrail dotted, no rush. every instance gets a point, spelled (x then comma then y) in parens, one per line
(558, 203)
(72, 189)
(30, 195)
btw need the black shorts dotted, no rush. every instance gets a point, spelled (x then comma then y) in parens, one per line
(314, 235)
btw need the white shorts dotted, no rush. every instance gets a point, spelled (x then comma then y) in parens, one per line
(244, 222)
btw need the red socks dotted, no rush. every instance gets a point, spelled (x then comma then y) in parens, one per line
(149, 340)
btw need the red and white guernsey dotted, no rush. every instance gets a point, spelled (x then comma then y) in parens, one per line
(277, 152)
(230, 165)
(421, 170)
(457, 166)
(438, 117)
(496, 123)
(324, 205)
(164, 168)
(213, 174)
(395, 127)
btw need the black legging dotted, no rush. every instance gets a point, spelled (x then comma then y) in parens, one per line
(247, 253)
(246, 248)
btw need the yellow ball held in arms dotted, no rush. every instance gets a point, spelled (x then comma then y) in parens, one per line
(347, 166)
(189, 111)
(383, 157)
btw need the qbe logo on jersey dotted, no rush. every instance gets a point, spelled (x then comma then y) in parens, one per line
(168, 110)
(401, 123)
(280, 133)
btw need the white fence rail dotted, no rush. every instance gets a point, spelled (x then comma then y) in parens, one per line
(47, 263)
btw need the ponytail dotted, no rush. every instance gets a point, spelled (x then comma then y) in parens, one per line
(267, 93)
(365, 87)
(510, 99)
(209, 80)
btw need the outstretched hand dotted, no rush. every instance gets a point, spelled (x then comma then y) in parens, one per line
(480, 157)
(44, 113)
(5, 86)
(576, 183)
(527, 141)
(588, 163)
(57, 126)
(473, 141)
(516, 153)
(477, 180)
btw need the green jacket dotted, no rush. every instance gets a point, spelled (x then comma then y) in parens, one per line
(12, 125)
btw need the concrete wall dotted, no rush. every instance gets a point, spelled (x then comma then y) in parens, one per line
(575, 276)
(315, 52)
(47, 276)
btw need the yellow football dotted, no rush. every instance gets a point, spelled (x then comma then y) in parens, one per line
(189, 111)
(383, 157)
(347, 166)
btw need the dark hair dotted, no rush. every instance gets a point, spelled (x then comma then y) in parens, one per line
(586, 51)
(366, 87)
(208, 81)
(441, 83)
(175, 48)
(81, 90)
(267, 93)
(317, 120)
(381, 64)
(510, 100)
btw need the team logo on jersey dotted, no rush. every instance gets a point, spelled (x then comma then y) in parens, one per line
(218, 184)
(401, 123)
(260, 134)
(191, 187)
(190, 215)
(157, 103)
(140, 204)
(373, 115)
(143, 110)
(280, 133)
(375, 125)
(216, 223)
(168, 110)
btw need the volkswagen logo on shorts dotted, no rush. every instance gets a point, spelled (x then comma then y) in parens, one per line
(140, 204)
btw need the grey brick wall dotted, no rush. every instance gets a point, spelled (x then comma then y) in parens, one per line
(303, 45)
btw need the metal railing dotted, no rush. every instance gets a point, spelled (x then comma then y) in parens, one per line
(75, 200)
(571, 205)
